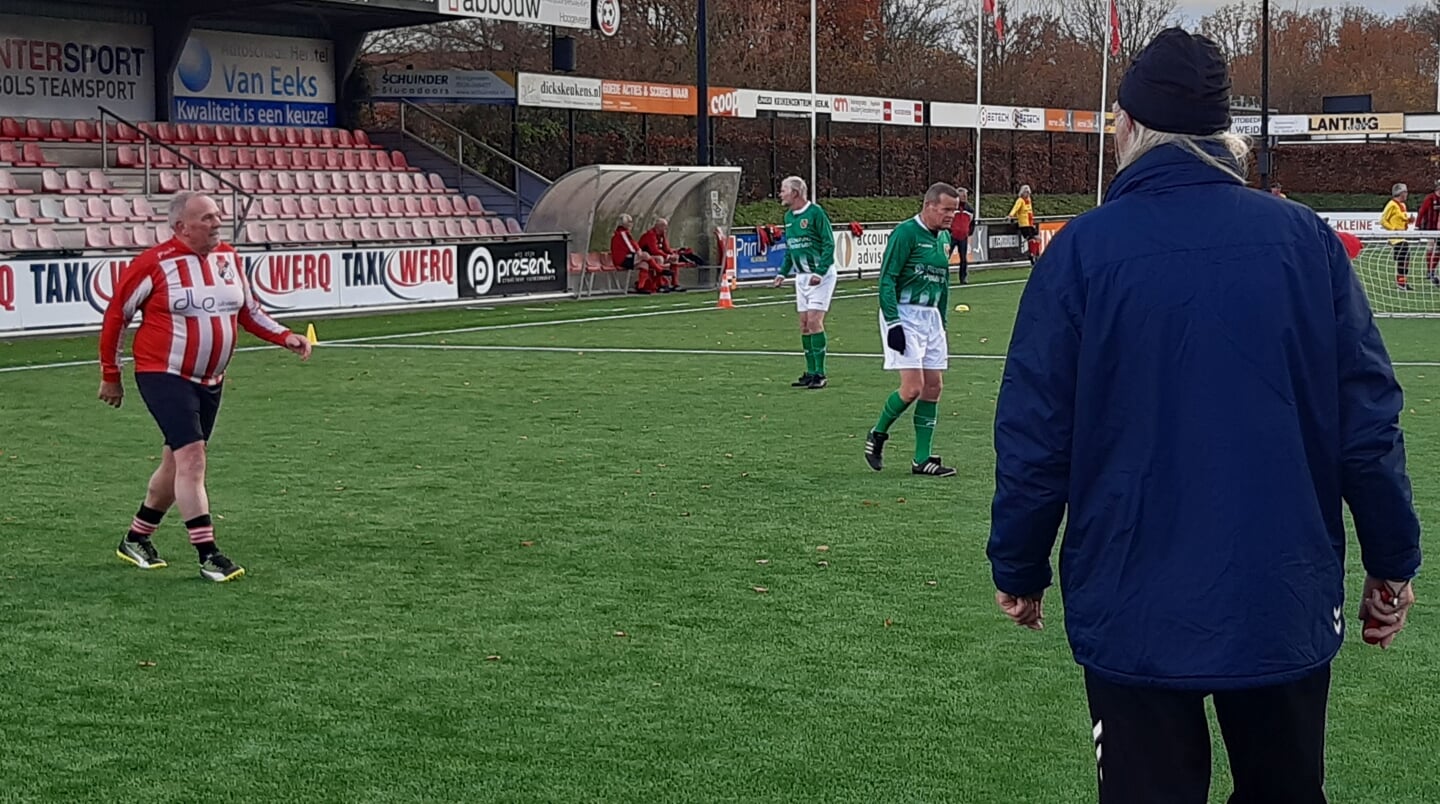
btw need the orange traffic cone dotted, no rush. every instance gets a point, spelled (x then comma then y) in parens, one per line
(725, 302)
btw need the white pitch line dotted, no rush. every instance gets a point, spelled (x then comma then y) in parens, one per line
(461, 347)
(645, 314)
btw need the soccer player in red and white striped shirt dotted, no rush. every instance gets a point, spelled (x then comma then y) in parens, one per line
(191, 292)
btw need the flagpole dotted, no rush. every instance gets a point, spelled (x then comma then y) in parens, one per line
(979, 86)
(1105, 37)
(814, 188)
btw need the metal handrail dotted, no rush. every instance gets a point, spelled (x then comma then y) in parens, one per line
(485, 146)
(461, 138)
(238, 235)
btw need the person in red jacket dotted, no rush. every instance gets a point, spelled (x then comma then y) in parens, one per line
(1428, 219)
(664, 274)
(627, 254)
(192, 293)
(960, 230)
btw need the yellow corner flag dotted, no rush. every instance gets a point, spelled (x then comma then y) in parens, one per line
(310, 335)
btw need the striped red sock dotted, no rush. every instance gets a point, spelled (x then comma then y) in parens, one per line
(202, 535)
(145, 523)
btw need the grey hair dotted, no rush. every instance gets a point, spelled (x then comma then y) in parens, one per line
(1024, 189)
(1398, 189)
(940, 190)
(797, 184)
(178, 203)
(1144, 139)
(625, 220)
(659, 221)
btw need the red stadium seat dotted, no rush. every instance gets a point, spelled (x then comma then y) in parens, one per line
(294, 232)
(204, 134)
(350, 230)
(328, 208)
(398, 230)
(9, 187)
(142, 236)
(97, 236)
(144, 211)
(363, 208)
(309, 207)
(21, 239)
(314, 232)
(332, 231)
(369, 230)
(63, 131)
(285, 182)
(474, 204)
(87, 131)
(122, 210)
(275, 232)
(302, 182)
(97, 182)
(35, 131)
(11, 129)
(254, 232)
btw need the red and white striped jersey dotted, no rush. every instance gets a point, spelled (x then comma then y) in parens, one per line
(190, 307)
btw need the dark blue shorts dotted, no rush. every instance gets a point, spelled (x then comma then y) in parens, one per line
(185, 410)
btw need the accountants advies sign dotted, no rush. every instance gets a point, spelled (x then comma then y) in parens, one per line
(512, 267)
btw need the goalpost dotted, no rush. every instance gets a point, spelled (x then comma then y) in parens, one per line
(1379, 266)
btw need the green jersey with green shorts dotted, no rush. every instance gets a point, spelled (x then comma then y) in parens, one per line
(915, 293)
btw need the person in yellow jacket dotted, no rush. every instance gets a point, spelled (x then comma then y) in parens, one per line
(1396, 218)
(1023, 213)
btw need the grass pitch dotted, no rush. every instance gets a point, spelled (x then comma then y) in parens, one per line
(606, 560)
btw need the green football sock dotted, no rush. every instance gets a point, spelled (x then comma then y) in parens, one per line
(925, 413)
(817, 342)
(894, 406)
(809, 343)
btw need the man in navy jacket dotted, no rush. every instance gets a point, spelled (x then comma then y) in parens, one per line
(1198, 402)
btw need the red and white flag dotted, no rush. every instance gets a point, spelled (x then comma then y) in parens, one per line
(1114, 27)
(989, 6)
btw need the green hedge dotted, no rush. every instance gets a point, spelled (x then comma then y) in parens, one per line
(842, 210)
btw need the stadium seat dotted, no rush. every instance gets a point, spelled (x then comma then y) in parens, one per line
(254, 232)
(20, 240)
(474, 204)
(329, 210)
(97, 182)
(513, 226)
(294, 231)
(344, 139)
(314, 232)
(369, 230)
(264, 158)
(275, 232)
(269, 182)
(29, 209)
(363, 207)
(144, 210)
(452, 227)
(7, 214)
(97, 209)
(11, 129)
(97, 236)
(428, 206)
(86, 131)
(438, 184)
(142, 236)
(393, 230)
(9, 187)
(72, 209)
(46, 239)
(35, 131)
(469, 228)
(171, 182)
(63, 131)
(122, 210)
(163, 232)
(331, 231)
(283, 207)
(309, 207)
(303, 182)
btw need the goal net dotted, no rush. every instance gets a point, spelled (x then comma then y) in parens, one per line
(1388, 255)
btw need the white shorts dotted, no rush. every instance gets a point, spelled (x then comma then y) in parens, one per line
(809, 298)
(925, 343)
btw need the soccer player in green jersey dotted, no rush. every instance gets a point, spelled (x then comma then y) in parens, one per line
(810, 255)
(914, 305)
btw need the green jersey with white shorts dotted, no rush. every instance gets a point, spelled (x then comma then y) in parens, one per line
(809, 242)
(915, 293)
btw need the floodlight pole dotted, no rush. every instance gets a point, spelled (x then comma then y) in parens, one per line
(702, 88)
(814, 187)
(1265, 95)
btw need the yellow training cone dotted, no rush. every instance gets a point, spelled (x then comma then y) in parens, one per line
(962, 308)
(310, 335)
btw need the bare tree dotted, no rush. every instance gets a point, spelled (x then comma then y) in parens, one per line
(1089, 20)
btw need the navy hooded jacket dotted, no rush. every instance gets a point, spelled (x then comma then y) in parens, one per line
(1194, 383)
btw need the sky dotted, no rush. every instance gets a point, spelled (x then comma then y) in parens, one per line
(1194, 9)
